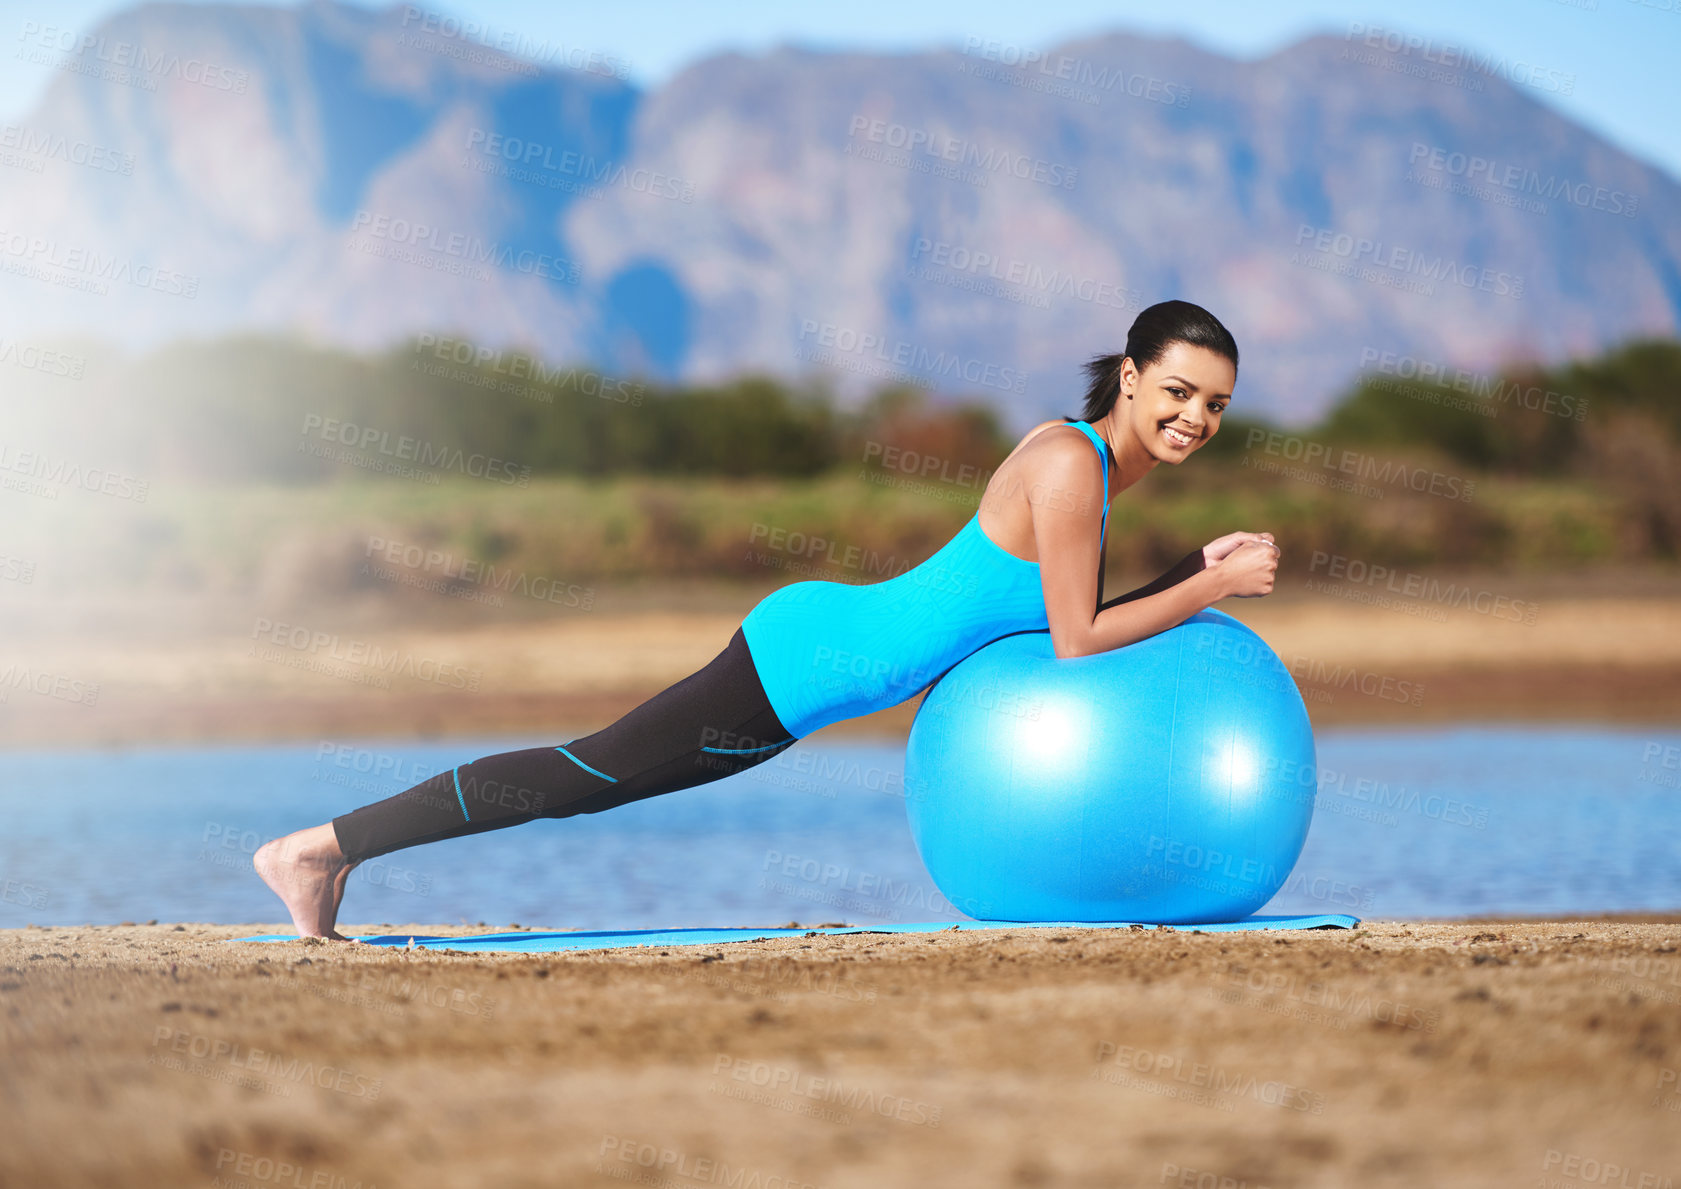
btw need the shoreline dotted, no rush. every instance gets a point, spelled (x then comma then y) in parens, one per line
(1633, 698)
(1601, 660)
(1635, 701)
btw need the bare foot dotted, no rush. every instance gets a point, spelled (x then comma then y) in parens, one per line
(307, 870)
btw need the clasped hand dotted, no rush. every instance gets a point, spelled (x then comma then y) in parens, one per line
(1249, 561)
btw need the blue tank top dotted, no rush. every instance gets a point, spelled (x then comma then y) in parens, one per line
(827, 651)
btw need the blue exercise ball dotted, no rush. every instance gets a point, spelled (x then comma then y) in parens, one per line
(1170, 781)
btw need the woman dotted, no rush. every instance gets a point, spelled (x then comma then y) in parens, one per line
(813, 653)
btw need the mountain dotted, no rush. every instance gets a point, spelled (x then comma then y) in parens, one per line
(955, 217)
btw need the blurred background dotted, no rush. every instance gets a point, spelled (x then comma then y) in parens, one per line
(382, 386)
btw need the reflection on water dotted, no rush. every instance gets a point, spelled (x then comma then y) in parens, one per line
(1465, 822)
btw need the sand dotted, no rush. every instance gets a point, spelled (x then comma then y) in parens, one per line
(1585, 659)
(1405, 1054)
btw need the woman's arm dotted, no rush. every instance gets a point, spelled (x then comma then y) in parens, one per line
(1067, 515)
(1192, 563)
(1127, 622)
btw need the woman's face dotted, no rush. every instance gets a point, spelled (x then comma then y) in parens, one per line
(1177, 401)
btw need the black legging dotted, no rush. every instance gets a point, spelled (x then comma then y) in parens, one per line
(712, 724)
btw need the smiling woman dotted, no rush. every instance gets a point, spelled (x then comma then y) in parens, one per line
(1158, 401)
(815, 653)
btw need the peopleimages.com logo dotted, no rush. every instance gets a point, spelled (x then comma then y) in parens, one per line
(90, 53)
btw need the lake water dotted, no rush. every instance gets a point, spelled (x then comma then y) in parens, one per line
(1422, 823)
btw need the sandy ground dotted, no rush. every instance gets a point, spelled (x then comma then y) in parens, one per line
(1603, 658)
(1405, 1054)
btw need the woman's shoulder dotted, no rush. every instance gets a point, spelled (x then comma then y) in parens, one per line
(1057, 445)
(1039, 429)
(1058, 453)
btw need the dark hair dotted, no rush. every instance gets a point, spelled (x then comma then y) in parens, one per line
(1153, 331)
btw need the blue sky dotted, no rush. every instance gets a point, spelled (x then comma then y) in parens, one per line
(1620, 56)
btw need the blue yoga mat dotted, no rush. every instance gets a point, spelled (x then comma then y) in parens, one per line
(551, 943)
